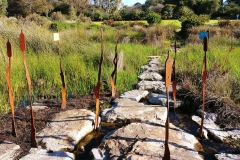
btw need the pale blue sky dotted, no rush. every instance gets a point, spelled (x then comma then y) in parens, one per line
(132, 2)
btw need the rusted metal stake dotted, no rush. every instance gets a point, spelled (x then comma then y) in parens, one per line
(97, 88)
(10, 94)
(114, 73)
(168, 73)
(204, 81)
(174, 83)
(33, 129)
(64, 100)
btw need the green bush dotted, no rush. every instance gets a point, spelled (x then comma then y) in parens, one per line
(153, 18)
(189, 23)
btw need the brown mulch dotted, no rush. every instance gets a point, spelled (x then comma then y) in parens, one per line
(42, 117)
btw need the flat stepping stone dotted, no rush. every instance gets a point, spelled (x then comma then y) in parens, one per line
(124, 112)
(151, 76)
(66, 129)
(41, 154)
(151, 85)
(216, 132)
(9, 150)
(152, 67)
(135, 95)
(226, 156)
(146, 141)
(161, 99)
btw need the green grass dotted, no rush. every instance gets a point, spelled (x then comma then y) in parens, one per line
(80, 48)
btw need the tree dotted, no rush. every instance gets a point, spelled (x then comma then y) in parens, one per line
(19, 7)
(42, 6)
(80, 6)
(208, 7)
(3, 7)
(109, 6)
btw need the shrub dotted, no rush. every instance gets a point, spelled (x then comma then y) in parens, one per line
(204, 17)
(58, 16)
(153, 18)
(189, 23)
(36, 18)
(224, 23)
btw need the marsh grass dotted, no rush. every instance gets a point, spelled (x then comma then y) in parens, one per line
(80, 53)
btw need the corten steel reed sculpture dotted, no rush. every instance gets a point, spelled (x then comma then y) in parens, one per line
(33, 129)
(174, 83)
(97, 88)
(64, 100)
(10, 94)
(168, 73)
(204, 79)
(114, 73)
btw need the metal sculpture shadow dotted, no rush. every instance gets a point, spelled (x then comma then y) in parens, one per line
(33, 129)
(97, 88)
(168, 73)
(113, 77)
(10, 94)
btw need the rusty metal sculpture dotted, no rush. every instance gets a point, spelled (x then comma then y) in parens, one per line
(174, 83)
(204, 79)
(64, 100)
(33, 129)
(97, 88)
(168, 73)
(10, 94)
(114, 73)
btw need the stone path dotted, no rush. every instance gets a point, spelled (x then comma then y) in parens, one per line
(145, 138)
(143, 112)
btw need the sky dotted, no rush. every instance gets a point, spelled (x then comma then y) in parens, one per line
(132, 2)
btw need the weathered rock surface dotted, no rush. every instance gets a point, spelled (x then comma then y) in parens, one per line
(9, 150)
(41, 154)
(216, 132)
(161, 99)
(152, 76)
(151, 85)
(226, 156)
(145, 141)
(135, 95)
(67, 128)
(127, 111)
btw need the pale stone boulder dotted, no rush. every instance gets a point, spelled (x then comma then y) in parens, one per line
(9, 150)
(146, 141)
(152, 85)
(135, 95)
(226, 156)
(216, 132)
(126, 110)
(150, 76)
(161, 99)
(66, 129)
(41, 154)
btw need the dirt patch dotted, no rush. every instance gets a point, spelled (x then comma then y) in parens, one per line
(42, 117)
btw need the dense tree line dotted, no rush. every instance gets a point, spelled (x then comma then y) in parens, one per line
(115, 9)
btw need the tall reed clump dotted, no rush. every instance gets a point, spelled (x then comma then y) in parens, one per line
(222, 63)
(80, 47)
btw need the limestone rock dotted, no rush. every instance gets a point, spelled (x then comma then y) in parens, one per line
(216, 132)
(67, 128)
(161, 99)
(152, 85)
(146, 141)
(226, 156)
(9, 150)
(136, 113)
(152, 76)
(41, 154)
(135, 95)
